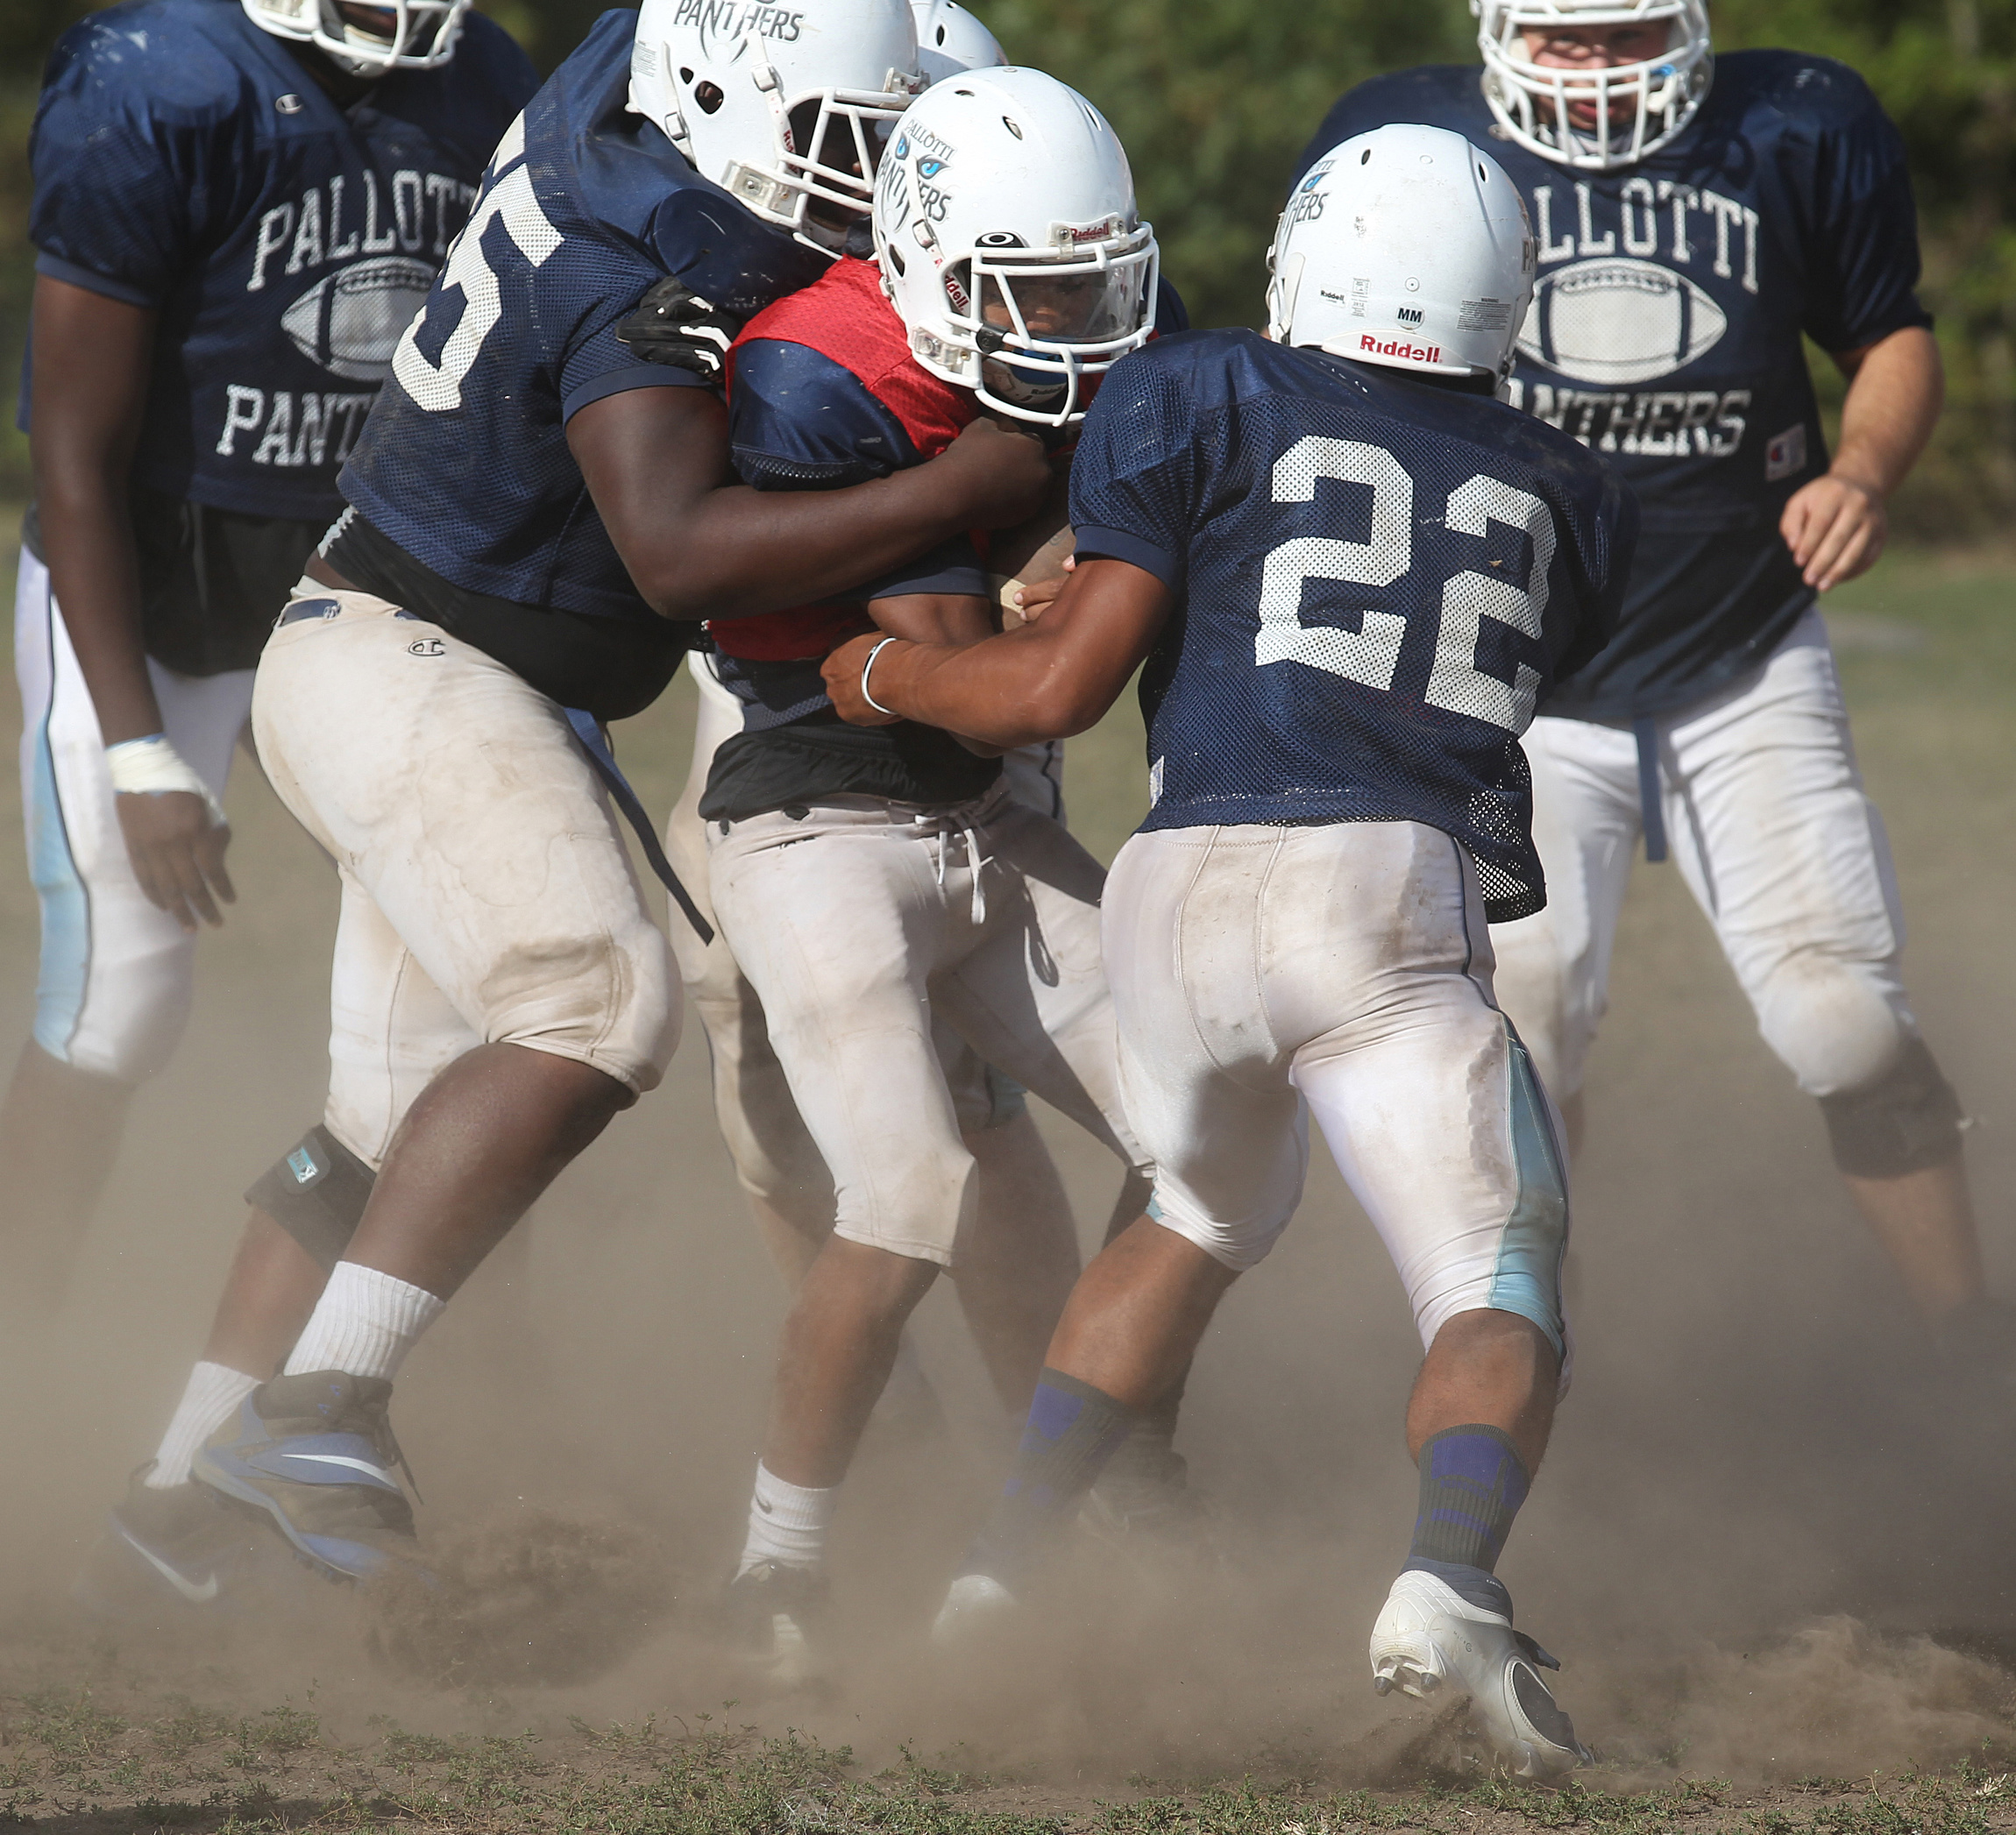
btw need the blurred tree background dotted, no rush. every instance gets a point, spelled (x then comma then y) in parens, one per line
(1215, 99)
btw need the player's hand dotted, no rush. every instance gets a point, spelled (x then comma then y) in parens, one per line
(843, 672)
(177, 854)
(674, 325)
(1033, 599)
(1835, 528)
(997, 476)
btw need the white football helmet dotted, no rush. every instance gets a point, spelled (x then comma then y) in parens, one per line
(1407, 247)
(1004, 224)
(786, 110)
(418, 34)
(1538, 104)
(949, 40)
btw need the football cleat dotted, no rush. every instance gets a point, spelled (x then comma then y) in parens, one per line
(775, 1617)
(977, 1606)
(312, 1456)
(1428, 1636)
(163, 1547)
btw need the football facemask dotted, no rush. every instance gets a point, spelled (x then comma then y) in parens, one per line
(1593, 118)
(367, 40)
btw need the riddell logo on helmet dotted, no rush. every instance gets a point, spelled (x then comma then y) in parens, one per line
(1401, 347)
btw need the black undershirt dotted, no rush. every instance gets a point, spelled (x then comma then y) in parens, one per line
(612, 667)
(211, 581)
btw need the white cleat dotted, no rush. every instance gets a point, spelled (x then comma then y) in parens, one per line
(977, 1606)
(1428, 1635)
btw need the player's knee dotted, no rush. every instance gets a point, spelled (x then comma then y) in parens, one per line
(919, 1199)
(1906, 1119)
(317, 1193)
(1238, 1244)
(1838, 1025)
(612, 1001)
(131, 1043)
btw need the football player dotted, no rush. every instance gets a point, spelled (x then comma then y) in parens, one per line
(1022, 1205)
(533, 511)
(1350, 572)
(789, 1191)
(237, 209)
(1697, 215)
(876, 887)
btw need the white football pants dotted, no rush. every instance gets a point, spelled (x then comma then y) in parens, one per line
(863, 926)
(1346, 965)
(1769, 826)
(113, 990)
(775, 1158)
(487, 895)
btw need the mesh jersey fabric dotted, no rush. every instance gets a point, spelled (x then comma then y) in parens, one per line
(186, 162)
(1665, 334)
(823, 393)
(464, 463)
(1375, 579)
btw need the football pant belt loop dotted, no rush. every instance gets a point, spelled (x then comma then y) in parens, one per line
(1645, 730)
(595, 743)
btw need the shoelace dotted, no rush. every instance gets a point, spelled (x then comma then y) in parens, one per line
(940, 828)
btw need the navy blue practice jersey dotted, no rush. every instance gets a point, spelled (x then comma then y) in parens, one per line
(185, 161)
(1665, 334)
(465, 462)
(1376, 578)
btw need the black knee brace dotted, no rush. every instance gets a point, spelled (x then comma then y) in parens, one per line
(1908, 1119)
(316, 1195)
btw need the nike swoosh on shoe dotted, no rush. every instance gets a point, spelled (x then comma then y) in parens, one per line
(196, 1595)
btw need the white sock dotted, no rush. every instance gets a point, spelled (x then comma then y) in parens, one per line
(211, 1399)
(787, 1522)
(364, 1323)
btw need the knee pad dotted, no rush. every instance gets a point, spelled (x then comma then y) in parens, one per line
(316, 1195)
(1908, 1119)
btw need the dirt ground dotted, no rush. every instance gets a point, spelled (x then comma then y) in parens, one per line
(1771, 1546)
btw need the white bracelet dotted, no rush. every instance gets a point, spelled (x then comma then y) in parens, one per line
(151, 767)
(867, 665)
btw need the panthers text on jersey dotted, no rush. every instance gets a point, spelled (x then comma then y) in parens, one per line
(185, 161)
(1665, 334)
(1376, 578)
(464, 463)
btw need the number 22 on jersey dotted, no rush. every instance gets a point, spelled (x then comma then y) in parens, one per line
(1370, 655)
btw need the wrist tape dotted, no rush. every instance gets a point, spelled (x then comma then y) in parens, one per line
(151, 767)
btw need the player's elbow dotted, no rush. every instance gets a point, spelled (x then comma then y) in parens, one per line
(678, 587)
(1057, 707)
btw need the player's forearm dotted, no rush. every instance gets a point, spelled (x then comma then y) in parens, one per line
(1895, 393)
(743, 552)
(1013, 690)
(93, 569)
(92, 360)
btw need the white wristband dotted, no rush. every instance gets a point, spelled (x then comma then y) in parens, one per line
(151, 767)
(868, 664)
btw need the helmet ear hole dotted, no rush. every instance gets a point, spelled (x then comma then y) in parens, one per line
(709, 96)
(895, 256)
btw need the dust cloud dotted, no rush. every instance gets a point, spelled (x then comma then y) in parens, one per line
(1768, 1543)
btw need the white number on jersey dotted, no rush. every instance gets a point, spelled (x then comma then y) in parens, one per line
(437, 386)
(1370, 655)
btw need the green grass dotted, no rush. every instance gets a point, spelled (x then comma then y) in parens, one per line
(70, 1763)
